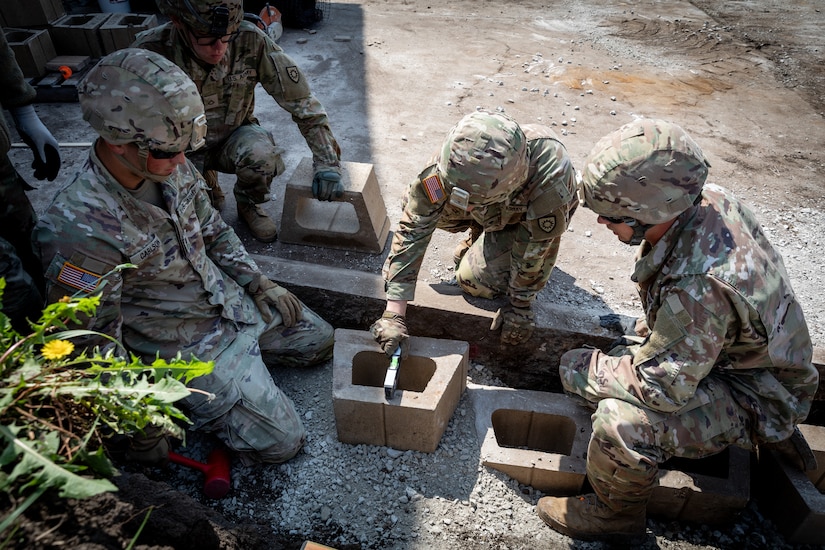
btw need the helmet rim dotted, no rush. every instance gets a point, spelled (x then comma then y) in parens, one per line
(650, 170)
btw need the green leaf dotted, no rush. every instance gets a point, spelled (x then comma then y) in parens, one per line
(44, 472)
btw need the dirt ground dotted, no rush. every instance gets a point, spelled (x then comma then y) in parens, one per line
(745, 78)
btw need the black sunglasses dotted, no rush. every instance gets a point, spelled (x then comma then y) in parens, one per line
(163, 155)
(623, 219)
(209, 40)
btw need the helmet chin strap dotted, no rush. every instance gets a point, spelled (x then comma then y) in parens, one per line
(143, 169)
(639, 231)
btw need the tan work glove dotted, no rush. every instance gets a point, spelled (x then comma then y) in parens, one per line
(267, 294)
(390, 331)
(150, 447)
(516, 323)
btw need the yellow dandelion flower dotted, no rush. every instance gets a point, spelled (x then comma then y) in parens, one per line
(57, 349)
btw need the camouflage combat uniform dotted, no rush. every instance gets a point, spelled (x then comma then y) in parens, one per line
(236, 143)
(186, 296)
(517, 250)
(727, 362)
(18, 263)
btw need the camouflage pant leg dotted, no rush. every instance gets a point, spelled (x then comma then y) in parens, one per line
(306, 343)
(485, 269)
(249, 413)
(250, 153)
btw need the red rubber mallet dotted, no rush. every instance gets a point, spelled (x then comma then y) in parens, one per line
(216, 471)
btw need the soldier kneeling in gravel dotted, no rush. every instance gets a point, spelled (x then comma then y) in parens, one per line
(514, 188)
(194, 289)
(722, 356)
(227, 57)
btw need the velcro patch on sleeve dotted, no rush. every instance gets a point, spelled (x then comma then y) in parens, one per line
(78, 278)
(434, 188)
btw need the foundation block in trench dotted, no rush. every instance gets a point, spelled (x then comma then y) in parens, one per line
(431, 381)
(540, 439)
(794, 500)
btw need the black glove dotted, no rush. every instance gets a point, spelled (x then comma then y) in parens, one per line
(326, 185)
(390, 331)
(34, 133)
(618, 323)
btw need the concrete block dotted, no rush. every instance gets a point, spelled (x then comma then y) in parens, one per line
(537, 438)
(794, 500)
(815, 436)
(120, 29)
(540, 439)
(75, 62)
(32, 50)
(357, 221)
(710, 490)
(79, 34)
(30, 13)
(430, 384)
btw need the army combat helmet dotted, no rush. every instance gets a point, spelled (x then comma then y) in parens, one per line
(205, 17)
(483, 160)
(137, 96)
(649, 170)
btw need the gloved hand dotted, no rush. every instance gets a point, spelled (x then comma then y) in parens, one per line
(151, 446)
(326, 185)
(619, 323)
(517, 324)
(34, 133)
(266, 294)
(390, 331)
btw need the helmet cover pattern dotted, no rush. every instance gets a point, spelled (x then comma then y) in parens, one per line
(138, 96)
(485, 154)
(649, 170)
(205, 17)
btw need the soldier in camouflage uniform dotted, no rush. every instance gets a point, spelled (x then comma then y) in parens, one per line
(514, 187)
(23, 296)
(192, 289)
(722, 356)
(227, 57)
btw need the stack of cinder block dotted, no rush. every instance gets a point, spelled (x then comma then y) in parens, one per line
(40, 30)
(25, 24)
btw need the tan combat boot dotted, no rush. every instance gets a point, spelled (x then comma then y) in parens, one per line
(795, 450)
(216, 196)
(587, 518)
(259, 222)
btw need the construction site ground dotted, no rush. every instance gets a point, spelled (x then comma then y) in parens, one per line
(746, 79)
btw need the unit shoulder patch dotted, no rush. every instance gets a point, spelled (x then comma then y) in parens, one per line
(547, 223)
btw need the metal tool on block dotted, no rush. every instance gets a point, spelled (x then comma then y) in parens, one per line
(391, 378)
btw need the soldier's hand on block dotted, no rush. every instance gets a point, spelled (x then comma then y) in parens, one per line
(326, 185)
(266, 294)
(390, 331)
(516, 323)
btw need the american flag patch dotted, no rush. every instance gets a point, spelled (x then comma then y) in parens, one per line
(434, 189)
(78, 278)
